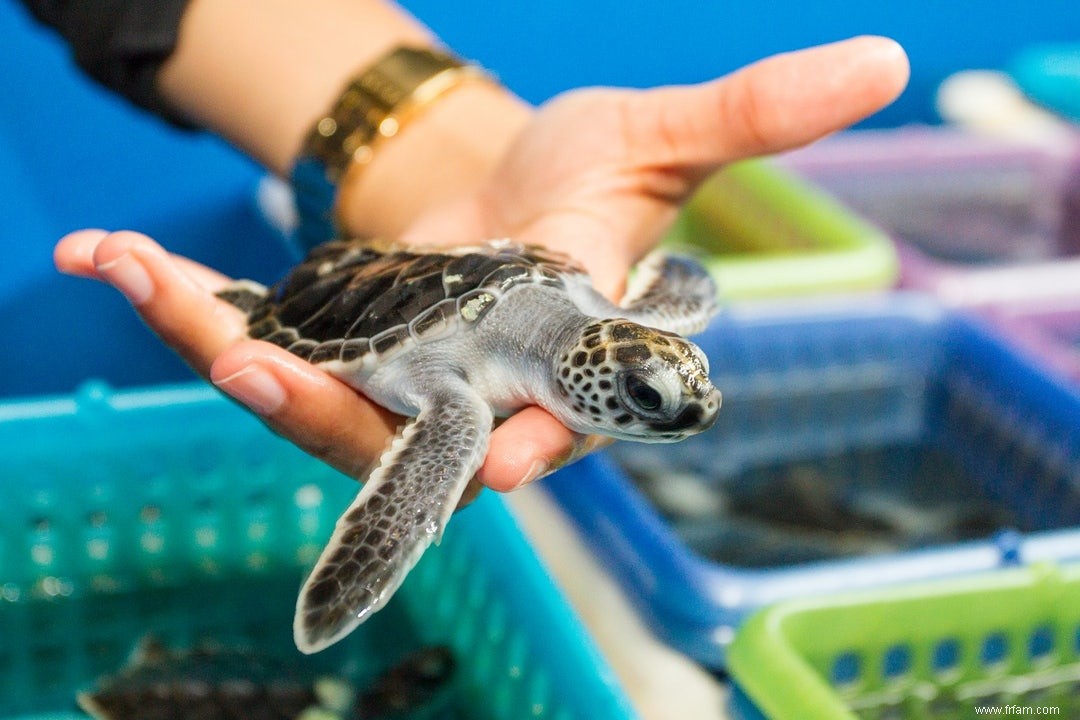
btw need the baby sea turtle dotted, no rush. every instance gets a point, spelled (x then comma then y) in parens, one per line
(452, 338)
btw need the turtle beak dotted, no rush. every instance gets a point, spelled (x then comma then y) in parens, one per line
(698, 415)
(710, 409)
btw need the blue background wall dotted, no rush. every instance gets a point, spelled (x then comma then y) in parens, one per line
(73, 156)
(540, 49)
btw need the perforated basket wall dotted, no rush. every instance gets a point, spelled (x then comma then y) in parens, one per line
(175, 513)
(1009, 639)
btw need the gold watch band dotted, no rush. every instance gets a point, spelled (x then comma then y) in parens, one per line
(374, 105)
(378, 102)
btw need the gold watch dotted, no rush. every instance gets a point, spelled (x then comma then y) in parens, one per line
(373, 107)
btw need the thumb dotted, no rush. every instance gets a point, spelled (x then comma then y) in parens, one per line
(776, 104)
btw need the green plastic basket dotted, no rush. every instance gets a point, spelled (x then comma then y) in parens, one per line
(173, 512)
(1009, 638)
(762, 232)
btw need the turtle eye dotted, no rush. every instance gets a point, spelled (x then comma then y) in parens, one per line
(644, 395)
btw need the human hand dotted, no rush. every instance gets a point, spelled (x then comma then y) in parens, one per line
(600, 173)
(597, 174)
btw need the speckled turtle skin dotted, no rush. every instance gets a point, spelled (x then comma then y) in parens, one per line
(452, 339)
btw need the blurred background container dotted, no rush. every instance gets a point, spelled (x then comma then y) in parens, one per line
(1049, 332)
(976, 219)
(762, 232)
(935, 650)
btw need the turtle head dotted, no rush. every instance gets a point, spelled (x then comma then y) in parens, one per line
(632, 382)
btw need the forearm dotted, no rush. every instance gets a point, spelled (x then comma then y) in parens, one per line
(260, 72)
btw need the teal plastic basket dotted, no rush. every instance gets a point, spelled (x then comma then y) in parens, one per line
(172, 512)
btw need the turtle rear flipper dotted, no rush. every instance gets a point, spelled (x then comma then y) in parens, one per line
(244, 294)
(402, 508)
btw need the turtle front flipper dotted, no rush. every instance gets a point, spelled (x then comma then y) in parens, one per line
(671, 293)
(402, 508)
(667, 292)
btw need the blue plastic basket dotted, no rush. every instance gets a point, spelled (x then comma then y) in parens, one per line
(173, 512)
(890, 402)
(1049, 332)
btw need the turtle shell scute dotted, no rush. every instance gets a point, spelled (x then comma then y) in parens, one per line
(354, 349)
(326, 351)
(473, 305)
(303, 348)
(435, 322)
(508, 276)
(389, 341)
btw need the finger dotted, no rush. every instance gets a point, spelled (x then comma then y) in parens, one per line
(74, 255)
(776, 104)
(320, 414)
(178, 307)
(529, 445)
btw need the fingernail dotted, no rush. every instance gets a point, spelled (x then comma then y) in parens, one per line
(538, 469)
(256, 388)
(587, 445)
(583, 445)
(128, 276)
(595, 442)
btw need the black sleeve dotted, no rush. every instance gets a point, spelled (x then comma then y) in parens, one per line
(120, 43)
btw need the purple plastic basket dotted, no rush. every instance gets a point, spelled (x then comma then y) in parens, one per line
(962, 208)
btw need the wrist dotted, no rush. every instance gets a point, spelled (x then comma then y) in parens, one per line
(447, 151)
